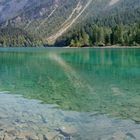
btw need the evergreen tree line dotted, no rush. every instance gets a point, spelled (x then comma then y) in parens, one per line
(15, 37)
(96, 35)
(81, 36)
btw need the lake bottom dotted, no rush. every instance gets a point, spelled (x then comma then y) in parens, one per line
(24, 119)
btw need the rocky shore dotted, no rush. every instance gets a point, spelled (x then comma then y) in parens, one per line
(24, 119)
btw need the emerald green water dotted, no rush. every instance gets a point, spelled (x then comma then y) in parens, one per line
(90, 80)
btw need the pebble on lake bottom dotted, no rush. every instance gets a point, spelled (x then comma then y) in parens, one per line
(23, 119)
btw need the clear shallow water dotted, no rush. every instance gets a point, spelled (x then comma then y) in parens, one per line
(86, 80)
(23, 119)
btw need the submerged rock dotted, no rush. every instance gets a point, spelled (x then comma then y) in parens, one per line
(23, 119)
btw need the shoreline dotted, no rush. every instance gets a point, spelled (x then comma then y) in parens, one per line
(107, 47)
(60, 47)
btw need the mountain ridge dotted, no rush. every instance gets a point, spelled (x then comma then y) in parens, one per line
(51, 19)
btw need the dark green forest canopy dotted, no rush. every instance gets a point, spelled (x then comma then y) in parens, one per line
(15, 37)
(88, 35)
(116, 25)
(98, 35)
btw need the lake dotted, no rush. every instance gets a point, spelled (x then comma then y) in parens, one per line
(101, 81)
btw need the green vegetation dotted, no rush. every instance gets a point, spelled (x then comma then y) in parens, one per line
(99, 12)
(15, 37)
(89, 35)
(100, 24)
(96, 35)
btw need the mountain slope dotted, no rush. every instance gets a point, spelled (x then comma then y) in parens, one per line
(50, 19)
(70, 21)
(42, 17)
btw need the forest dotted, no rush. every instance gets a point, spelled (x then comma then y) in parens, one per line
(101, 24)
(80, 36)
(96, 35)
(15, 37)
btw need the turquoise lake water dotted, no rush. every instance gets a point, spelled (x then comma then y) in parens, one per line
(106, 81)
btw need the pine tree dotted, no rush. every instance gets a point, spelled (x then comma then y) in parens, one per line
(85, 38)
